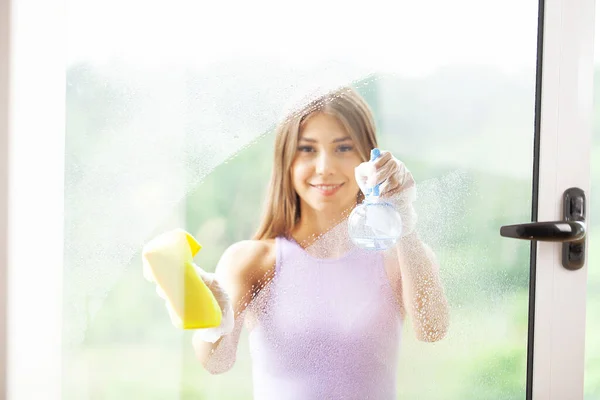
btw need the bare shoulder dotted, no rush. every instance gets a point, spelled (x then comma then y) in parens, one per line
(248, 261)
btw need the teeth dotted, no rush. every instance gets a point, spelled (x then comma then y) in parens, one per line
(326, 187)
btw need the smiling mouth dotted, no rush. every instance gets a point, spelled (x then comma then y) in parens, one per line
(327, 190)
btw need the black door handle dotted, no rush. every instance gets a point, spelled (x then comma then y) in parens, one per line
(571, 231)
(557, 231)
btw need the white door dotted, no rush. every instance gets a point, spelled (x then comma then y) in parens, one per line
(561, 269)
(168, 105)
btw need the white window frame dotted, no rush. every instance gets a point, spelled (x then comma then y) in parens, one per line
(4, 62)
(564, 162)
(32, 118)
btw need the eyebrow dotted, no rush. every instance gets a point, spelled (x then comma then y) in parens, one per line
(338, 140)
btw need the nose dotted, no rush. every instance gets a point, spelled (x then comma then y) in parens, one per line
(325, 164)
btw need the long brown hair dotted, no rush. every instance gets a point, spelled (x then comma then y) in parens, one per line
(282, 207)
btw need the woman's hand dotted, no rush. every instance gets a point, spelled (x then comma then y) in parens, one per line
(174, 249)
(396, 184)
(390, 173)
(227, 321)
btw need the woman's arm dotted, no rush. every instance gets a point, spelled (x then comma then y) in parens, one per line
(418, 284)
(412, 268)
(238, 272)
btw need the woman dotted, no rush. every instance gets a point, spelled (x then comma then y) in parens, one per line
(325, 317)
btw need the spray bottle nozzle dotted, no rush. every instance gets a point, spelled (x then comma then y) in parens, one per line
(375, 153)
(374, 191)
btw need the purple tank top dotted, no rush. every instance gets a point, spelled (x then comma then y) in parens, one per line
(325, 328)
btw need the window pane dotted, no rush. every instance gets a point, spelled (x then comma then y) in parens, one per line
(171, 117)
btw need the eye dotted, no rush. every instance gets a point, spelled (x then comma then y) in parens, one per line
(306, 149)
(345, 148)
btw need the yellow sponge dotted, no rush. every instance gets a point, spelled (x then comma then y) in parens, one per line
(168, 261)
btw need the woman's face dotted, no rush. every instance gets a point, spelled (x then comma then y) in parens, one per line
(323, 167)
